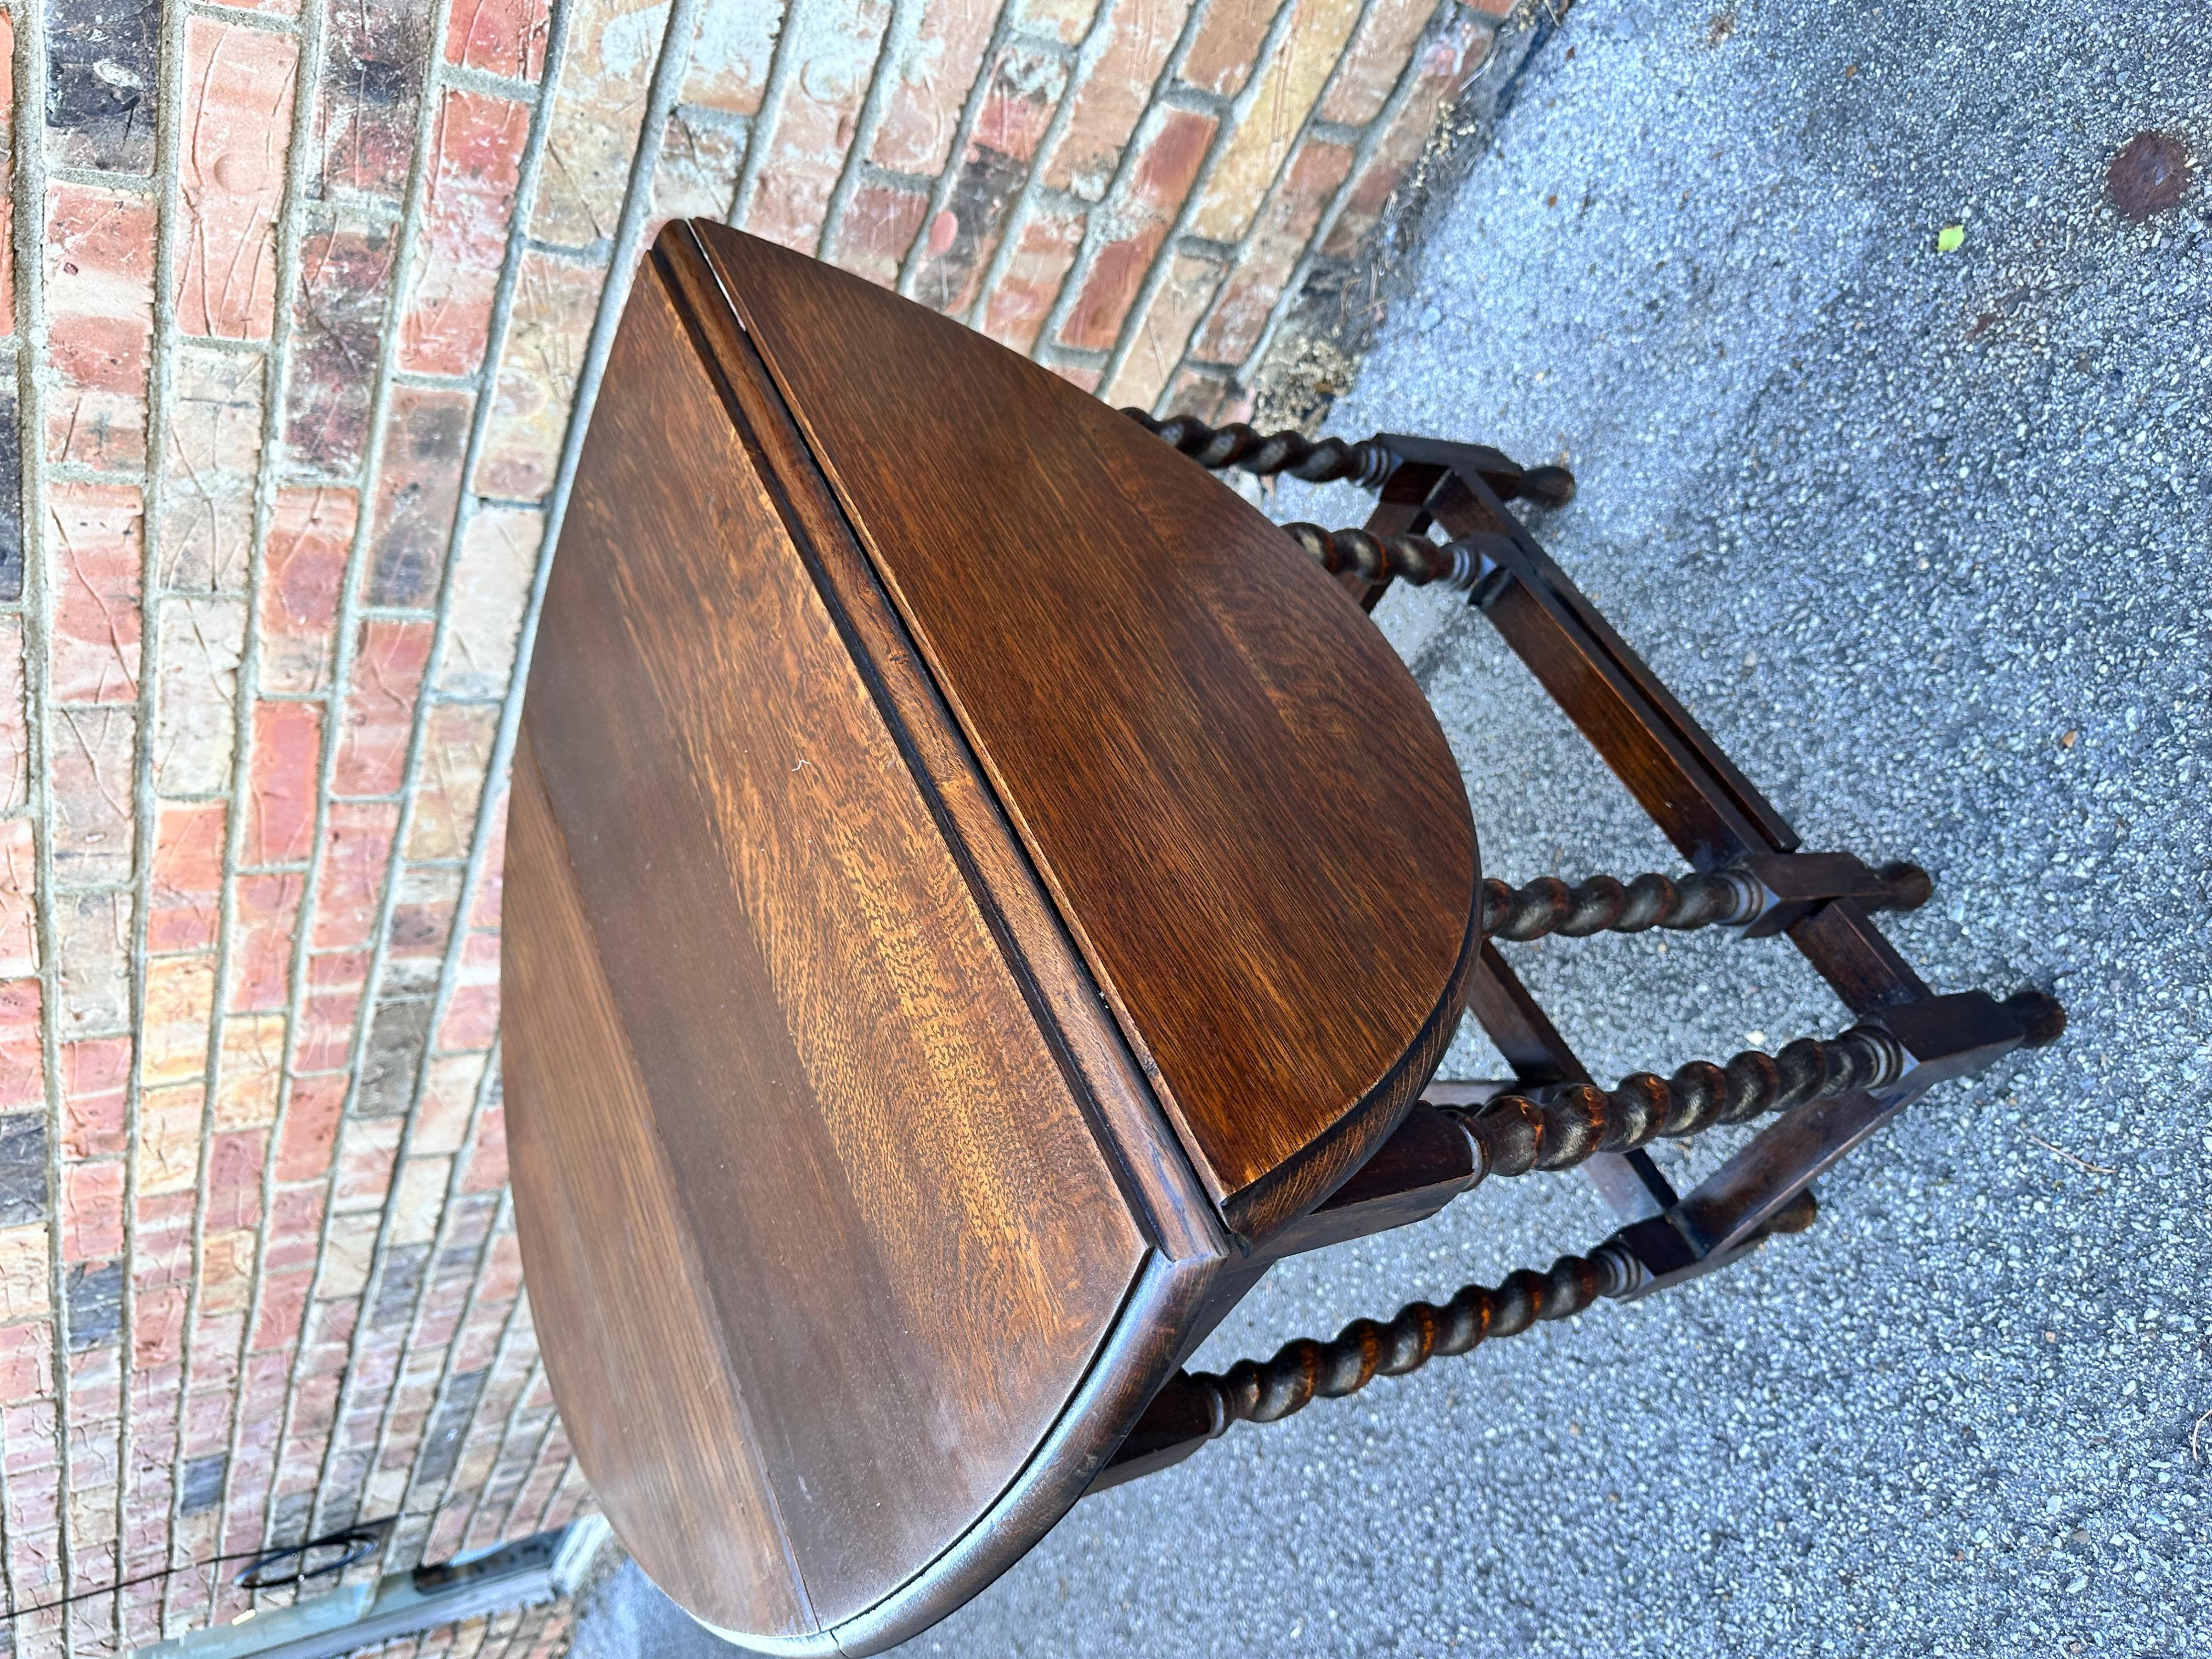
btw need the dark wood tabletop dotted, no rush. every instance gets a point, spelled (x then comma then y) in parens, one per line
(972, 883)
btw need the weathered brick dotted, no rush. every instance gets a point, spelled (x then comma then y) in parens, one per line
(388, 666)
(22, 1271)
(1163, 330)
(184, 909)
(329, 1010)
(226, 1280)
(811, 132)
(196, 723)
(349, 1255)
(26, 1361)
(422, 921)
(19, 931)
(499, 37)
(496, 560)
(418, 1199)
(392, 1059)
(457, 749)
(249, 1071)
(24, 1171)
(1452, 55)
(88, 761)
(924, 86)
(98, 531)
(15, 731)
(449, 1098)
(1111, 98)
(697, 174)
(357, 848)
(102, 66)
(1174, 148)
(1065, 20)
(311, 1127)
(878, 227)
(477, 148)
(207, 535)
(100, 308)
(91, 1209)
(1025, 88)
(472, 1014)
(215, 428)
(372, 88)
(555, 301)
(169, 1139)
(287, 751)
(96, 1074)
(416, 493)
(265, 921)
(302, 574)
(612, 47)
(179, 1007)
(346, 272)
(1046, 241)
(731, 54)
(22, 1063)
(237, 125)
(233, 1181)
(1378, 57)
(1228, 44)
(1285, 230)
(91, 951)
(1258, 145)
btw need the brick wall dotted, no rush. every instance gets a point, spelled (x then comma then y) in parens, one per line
(302, 299)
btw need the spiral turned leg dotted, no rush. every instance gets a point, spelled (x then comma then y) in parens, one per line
(1561, 1126)
(1304, 1370)
(1724, 898)
(1412, 559)
(1366, 464)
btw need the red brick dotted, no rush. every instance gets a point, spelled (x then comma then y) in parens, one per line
(416, 495)
(502, 37)
(184, 909)
(99, 309)
(1445, 64)
(1046, 242)
(234, 1180)
(379, 707)
(283, 1308)
(295, 1227)
(95, 1077)
(731, 54)
(1111, 99)
(196, 728)
(1285, 96)
(491, 875)
(476, 147)
(27, 1359)
(1284, 231)
(372, 88)
(90, 761)
(15, 729)
(19, 935)
(327, 1015)
(1025, 85)
(346, 273)
(878, 228)
(612, 49)
(1228, 44)
(487, 1164)
(302, 573)
(1378, 57)
(555, 301)
(265, 920)
(280, 815)
(357, 850)
(471, 1018)
(925, 87)
(311, 1127)
(1174, 151)
(98, 551)
(1082, 376)
(1163, 330)
(237, 124)
(494, 565)
(92, 1211)
(811, 132)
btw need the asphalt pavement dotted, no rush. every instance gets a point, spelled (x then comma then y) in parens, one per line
(1920, 532)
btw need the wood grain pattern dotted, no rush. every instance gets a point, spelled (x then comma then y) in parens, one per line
(1237, 794)
(877, 1178)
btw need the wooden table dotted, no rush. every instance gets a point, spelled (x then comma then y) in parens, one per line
(975, 887)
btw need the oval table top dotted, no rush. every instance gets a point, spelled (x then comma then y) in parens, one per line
(970, 881)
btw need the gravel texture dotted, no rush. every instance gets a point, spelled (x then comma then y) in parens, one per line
(1922, 536)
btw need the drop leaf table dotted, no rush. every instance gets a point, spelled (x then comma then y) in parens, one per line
(979, 894)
